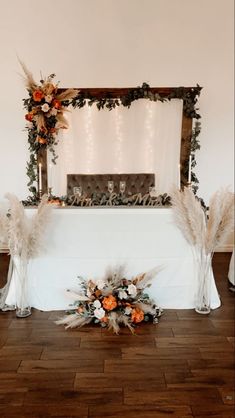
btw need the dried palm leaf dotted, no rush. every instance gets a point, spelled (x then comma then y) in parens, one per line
(67, 94)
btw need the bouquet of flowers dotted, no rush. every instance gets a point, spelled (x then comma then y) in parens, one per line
(113, 301)
(45, 108)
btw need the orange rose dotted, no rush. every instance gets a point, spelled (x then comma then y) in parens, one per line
(137, 315)
(109, 303)
(29, 117)
(38, 95)
(56, 103)
(41, 140)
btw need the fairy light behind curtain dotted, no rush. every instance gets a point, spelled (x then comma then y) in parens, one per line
(145, 138)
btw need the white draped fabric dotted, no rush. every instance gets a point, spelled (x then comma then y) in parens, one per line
(145, 138)
(85, 241)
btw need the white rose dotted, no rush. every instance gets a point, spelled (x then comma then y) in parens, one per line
(99, 313)
(97, 304)
(45, 107)
(128, 310)
(132, 290)
(53, 111)
(122, 294)
(48, 98)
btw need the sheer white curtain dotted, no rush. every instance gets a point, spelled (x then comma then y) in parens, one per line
(145, 138)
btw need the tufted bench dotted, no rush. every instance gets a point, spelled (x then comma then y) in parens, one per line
(90, 183)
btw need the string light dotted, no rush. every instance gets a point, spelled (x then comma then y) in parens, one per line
(148, 144)
(118, 167)
(89, 140)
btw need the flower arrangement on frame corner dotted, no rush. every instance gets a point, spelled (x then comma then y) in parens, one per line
(45, 108)
(113, 301)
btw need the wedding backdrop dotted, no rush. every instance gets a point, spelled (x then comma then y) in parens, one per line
(133, 148)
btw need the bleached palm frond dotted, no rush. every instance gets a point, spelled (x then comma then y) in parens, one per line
(37, 228)
(221, 219)
(28, 77)
(67, 94)
(181, 216)
(17, 226)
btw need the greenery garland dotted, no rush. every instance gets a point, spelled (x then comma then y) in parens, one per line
(45, 107)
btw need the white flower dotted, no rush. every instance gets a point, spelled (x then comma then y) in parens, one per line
(122, 294)
(97, 303)
(48, 98)
(100, 284)
(45, 107)
(99, 313)
(53, 111)
(132, 290)
(30, 125)
(128, 310)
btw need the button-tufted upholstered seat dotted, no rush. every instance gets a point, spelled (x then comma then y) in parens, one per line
(90, 183)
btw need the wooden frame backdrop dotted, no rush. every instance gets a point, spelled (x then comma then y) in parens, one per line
(186, 127)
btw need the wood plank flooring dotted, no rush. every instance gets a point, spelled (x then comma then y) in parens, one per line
(182, 367)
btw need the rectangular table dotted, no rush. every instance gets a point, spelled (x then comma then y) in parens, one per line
(85, 241)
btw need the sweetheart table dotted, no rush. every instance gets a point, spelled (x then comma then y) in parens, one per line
(85, 241)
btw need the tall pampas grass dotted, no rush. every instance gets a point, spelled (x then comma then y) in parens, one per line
(25, 235)
(3, 227)
(203, 231)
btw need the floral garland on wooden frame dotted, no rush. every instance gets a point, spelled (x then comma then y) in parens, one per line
(47, 103)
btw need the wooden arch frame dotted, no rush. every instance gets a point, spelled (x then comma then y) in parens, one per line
(117, 93)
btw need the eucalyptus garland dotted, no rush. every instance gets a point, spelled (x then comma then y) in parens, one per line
(45, 118)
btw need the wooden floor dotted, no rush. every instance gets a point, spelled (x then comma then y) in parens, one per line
(182, 367)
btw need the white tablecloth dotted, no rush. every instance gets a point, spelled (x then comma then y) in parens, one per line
(85, 241)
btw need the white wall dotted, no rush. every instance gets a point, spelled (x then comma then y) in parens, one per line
(95, 43)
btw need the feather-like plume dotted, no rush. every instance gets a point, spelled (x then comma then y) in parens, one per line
(28, 77)
(40, 121)
(113, 322)
(73, 321)
(181, 217)
(3, 227)
(196, 215)
(221, 219)
(17, 226)
(37, 228)
(67, 94)
(142, 280)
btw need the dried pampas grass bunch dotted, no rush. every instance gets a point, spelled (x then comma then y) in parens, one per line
(204, 230)
(24, 235)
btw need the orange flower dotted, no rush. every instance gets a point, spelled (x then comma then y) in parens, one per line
(38, 95)
(109, 303)
(41, 140)
(137, 315)
(80, 309)
(98, 293)
(56, 103)
(104, 319)
(29, 116)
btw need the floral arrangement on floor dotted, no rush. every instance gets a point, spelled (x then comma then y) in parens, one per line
(113, 301)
